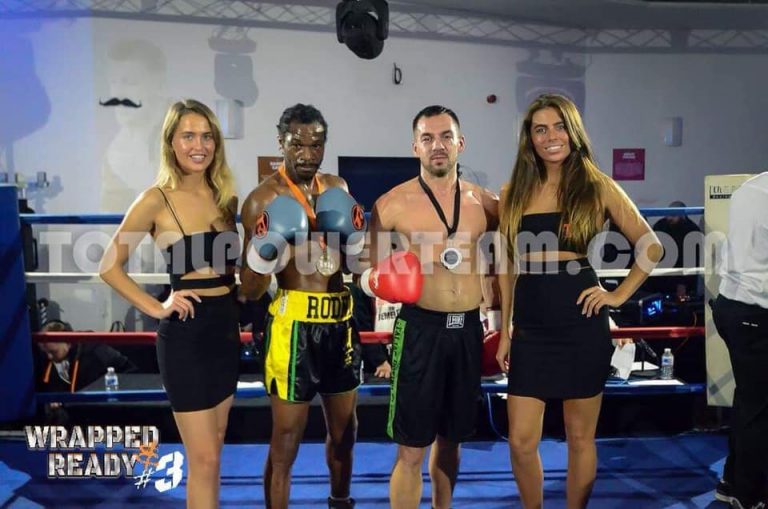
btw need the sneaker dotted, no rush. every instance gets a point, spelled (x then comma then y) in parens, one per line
(724, 491)
(736, 504)
(348, 503)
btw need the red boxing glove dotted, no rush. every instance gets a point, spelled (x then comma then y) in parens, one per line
(491, 324)
(397, 278)
(489, 365)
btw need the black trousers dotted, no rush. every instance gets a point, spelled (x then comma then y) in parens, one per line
(744, 328)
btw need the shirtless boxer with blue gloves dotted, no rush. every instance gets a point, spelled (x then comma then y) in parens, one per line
(299, 224)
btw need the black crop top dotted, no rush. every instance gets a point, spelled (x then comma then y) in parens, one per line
(539, 232)
(215, 249)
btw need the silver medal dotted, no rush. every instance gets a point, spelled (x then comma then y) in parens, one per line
(450, 258)
(326, 265)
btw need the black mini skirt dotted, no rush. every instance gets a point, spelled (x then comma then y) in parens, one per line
(199, 357)
(556, 352)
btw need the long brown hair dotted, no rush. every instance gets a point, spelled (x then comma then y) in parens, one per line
(218, 175)
(580, 192)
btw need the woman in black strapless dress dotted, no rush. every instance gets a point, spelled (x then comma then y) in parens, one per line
(554, 205)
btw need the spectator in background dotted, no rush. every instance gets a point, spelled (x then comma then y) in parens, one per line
(64, 367)
(673, 232)
(375, 355)
(72, 367)
(677, 226)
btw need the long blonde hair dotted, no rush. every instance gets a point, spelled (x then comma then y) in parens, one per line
(218, 176)
(579, 195)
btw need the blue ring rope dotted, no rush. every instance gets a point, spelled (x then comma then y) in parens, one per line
(366, 389)
(118, 218)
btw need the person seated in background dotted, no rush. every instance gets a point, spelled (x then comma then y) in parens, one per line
(676, 234)
(64, 367)
(71, 367)
(375, 355)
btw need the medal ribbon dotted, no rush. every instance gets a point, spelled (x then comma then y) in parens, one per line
(456, 208)
(300, 197)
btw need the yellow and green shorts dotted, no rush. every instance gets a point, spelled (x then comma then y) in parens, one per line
(311, 345)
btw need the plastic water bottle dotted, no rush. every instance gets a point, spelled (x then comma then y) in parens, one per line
(110, 380)
(667, 364)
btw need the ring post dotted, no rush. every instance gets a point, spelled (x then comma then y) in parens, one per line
(17, 396)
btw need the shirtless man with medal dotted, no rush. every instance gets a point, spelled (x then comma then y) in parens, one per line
(310, 343)
(437, 342)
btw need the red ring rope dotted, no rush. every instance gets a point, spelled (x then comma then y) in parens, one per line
(365, 337)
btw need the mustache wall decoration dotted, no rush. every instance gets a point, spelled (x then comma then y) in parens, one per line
(120, 102)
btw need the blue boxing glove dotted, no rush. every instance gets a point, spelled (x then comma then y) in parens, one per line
(283, 222)
(338, 212)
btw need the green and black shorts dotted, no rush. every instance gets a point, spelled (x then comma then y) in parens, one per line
(436, 359)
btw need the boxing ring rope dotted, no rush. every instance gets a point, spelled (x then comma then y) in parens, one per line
(72, 218)
(376, 389)
(142, 338)
(118, 218)
(253, 391)
(163, 278)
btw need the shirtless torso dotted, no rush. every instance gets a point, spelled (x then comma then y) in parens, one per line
(295, 275)
(407, 210)
(444, 230)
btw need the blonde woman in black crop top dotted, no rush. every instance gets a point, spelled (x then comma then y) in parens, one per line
(556, 202)
(190, 213)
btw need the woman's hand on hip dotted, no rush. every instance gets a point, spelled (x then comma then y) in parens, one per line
(179, 302)
(595, 298)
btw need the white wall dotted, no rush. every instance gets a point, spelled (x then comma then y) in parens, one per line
(367, 113)
(722, 102)
(720, 98)
(65, 144)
